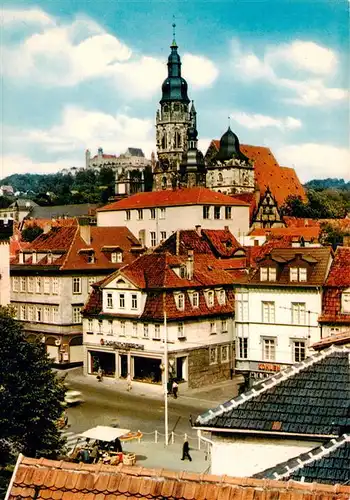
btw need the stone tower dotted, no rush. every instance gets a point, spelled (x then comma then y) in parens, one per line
(172, 122)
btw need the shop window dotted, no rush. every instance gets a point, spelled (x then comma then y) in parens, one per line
(122, 300)
(213, 355)
(206, 212)
(180, 331)
(345, 301)
(145, 331)
(228, 212)
(269, 349)
(133, 301)
(76, 314)
(212, 327)
(225, 354)
(23, 283)
(298, 351)
(224, 328)
(243, 347)
(268, 312)
(217, 212)
(76, 285)
(267, 274)
(298, 313)
(109, 300)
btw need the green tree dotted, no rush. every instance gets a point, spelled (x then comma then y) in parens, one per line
(31, 232)
(31, 396)
(332, 235)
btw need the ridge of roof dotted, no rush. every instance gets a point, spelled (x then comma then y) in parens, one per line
(305, 459)
(268, 383)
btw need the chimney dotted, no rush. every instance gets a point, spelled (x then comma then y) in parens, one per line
(85, 229)
(198, 230)
(190, 264)
(177, 250)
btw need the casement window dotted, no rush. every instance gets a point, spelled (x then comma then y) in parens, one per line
(15, 283)
(268, 312)
(145, 331)
(206, 212)
(225, 354)
(180, 331)
(140, 214)
(38, 285)
(242, 309)
(122, 328)
(23, 312)
(228, 212)
(76, 314)
(217, 212)
(163, 235)
(47, 283)
(243, 347)
(134, 301)
(127, 214)
(55, 285)
(213, 355)
(224, 327)
(39, 313)
(23, 283)
(109, 300)
(210, 298)
(116, 257)
(31, 313)
(298, 274)
(90, 326)
(298, 313)
(55, 314)
(157, 332)
(212, 327)
(100, 324)
(222, 297)
(47, 314)
(121, 300)
(153, 238)
(76, 285)
(91, 258)
(195, 299)
(134, 329)
(269, 349)
(267, 274)
(152, 213)
(345, 302)
(298, 351)
(30, 284)
(162, 213)
(180, 301)
(110, 327)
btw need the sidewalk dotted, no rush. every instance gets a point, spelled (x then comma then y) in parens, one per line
(214, 395)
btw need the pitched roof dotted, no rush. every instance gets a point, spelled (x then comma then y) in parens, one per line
(335, 339)
(308, 399)
(57, 211)
(176, 197)
(106, 156)
(341, 224)
(339, 274)
(42, 478)
(309, 233)
(327, 464)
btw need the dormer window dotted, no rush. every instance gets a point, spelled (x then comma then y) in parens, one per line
(116, 257)
(194, 298)
(267, 274)
(180, 301)
(210, 298)
(298, 274)
(91, 258)
(183, 272)
(345, 301)
(221, 297)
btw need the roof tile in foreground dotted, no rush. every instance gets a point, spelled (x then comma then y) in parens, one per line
(42, 478)
(308, 399)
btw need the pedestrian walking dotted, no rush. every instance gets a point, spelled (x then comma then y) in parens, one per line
(175, 389)
(128, 382)
(186, 451)
(100, 374)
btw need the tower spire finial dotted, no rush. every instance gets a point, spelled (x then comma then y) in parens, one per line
(174, 44)
(229, 121)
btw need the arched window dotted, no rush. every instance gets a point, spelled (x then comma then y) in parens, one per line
(164, 142)
(177, 139)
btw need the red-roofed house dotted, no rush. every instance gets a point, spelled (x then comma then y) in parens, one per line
(124, 320)
(52, 278)
(335, 316)
(153, 216)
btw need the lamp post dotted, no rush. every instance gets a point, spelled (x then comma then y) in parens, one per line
(166, 368)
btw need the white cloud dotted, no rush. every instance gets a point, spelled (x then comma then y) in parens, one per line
(315, 161)
(199, 71)
(9, 17)
(317, 64)
(21, 164)
(256, 121)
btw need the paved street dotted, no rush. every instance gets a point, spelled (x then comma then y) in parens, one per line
(109, 403)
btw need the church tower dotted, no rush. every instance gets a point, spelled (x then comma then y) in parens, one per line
(172, 122)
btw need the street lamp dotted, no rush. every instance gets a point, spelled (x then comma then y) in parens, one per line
(166, 370)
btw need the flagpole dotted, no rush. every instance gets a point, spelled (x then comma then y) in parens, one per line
(166, 429)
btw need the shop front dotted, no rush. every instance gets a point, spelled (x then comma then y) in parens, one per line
(254, 371)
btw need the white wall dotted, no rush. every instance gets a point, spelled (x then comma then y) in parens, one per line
(186, 217)
(4, 273)
(244, 457)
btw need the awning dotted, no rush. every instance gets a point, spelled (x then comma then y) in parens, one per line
(104, 433)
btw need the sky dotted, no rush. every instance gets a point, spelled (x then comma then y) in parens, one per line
(83, 74)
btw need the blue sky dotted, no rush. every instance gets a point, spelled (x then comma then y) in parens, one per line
(80, 74)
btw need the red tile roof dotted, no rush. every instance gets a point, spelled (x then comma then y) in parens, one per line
(176, 197)
(307, 232)
(282, 181)
(342, 224)
(336, 339)
(104, 156)
(42, 478)
(339, 274)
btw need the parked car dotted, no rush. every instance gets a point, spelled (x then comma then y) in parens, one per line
(73, 398)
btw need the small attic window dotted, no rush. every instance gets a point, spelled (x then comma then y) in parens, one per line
(116, 257)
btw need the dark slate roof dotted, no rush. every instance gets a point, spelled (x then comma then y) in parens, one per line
(327, 464)
(63, 211)
(307, 399)
(135, 152)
